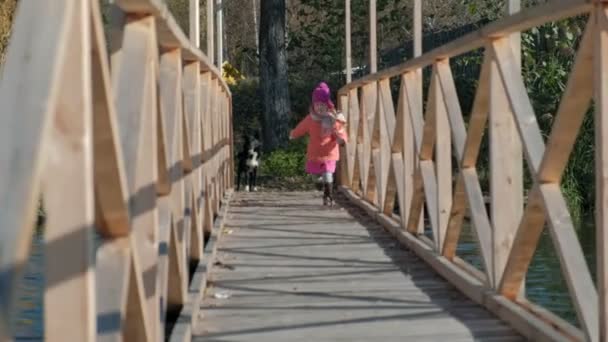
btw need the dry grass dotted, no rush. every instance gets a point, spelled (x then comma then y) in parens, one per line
(7, 10)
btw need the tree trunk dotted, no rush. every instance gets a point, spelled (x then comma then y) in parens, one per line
(273, 73)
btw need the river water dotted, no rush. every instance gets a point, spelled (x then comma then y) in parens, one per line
(28, 322)
(545, 284)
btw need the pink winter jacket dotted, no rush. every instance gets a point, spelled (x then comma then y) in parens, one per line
(320, 148)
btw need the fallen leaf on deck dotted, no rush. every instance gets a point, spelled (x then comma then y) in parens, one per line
(221, 295)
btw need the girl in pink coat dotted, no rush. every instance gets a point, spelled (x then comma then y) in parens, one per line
(326, 129)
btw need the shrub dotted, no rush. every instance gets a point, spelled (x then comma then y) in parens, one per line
(284, 163)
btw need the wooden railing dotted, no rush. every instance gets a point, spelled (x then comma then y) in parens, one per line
(401, 153)
(131, 160)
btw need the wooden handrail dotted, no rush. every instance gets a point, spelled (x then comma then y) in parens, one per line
(551, 11)
(170, 35)
(402, 154)
(132, 161)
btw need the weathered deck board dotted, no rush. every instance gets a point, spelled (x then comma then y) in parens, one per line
(298, 272)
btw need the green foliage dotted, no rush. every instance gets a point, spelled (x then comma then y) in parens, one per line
(548, 55)
(284, 169)
(314, 48)
(578, 181)
(180, 11)
(547, 58)
(246, 109)
(287, 162)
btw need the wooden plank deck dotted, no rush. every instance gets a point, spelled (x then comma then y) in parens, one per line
(295, 271)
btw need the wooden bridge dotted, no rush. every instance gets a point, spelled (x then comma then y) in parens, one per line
(127, 143)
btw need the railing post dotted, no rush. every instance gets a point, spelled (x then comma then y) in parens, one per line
(349, 66)
(370, 95)
(373, 51)
(231, 127)
(443, 161)
(343, 165)
(411, 161)
(506, 167)
(68, 234)
(513, 7)
(210, 31)
(195, 17)
(417, 28)
(220, 35)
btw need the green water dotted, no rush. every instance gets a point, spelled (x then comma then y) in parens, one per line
(28, 322)
(544, 284)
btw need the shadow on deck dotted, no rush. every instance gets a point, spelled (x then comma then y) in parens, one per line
(294, 270)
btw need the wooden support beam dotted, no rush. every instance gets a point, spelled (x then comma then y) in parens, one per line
(69, 303)
(186, 144)
(416, 123)
(137, 124)
(404, 169)
(506, 174)
(568, 120)
(367, 113)
(192, 110)
(467, 190)
(418, 96)
(395, 187)
(561, 226)
(110, 180)
(353, 138)
(28, 95)
(112, 261)
(384, 128)
(343, 166)
(443, 156)
(178, 265)
(137, 325)
(425, 179)
(177, 287)
(601, 163)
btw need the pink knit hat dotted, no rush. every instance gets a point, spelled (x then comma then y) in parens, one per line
(322, 94)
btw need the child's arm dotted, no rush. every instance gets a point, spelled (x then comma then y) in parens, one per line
(301, 129)
(340, 133)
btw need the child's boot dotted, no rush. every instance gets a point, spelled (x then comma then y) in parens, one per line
(327, 194)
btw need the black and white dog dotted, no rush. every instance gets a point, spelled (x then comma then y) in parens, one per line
(248, 163)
